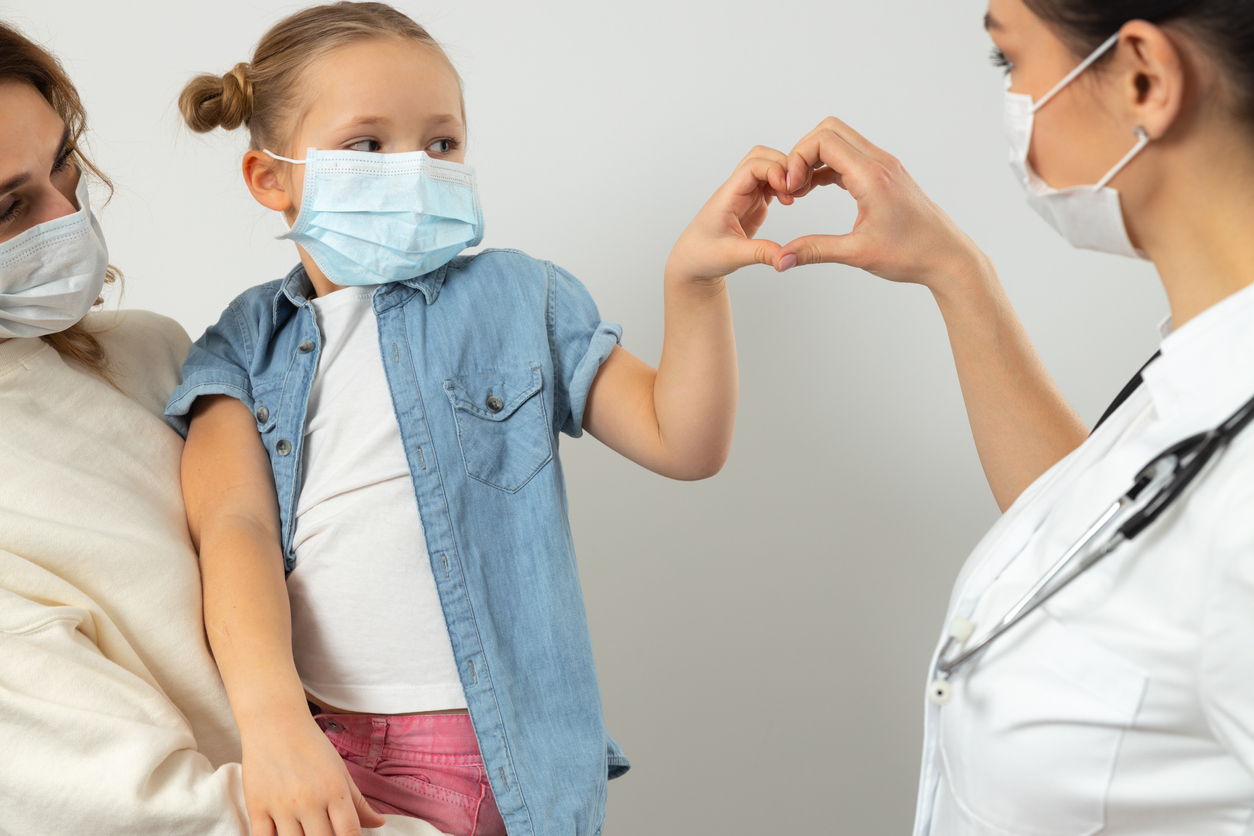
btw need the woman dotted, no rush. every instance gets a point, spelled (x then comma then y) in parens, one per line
(1124, 705)
(113, 719)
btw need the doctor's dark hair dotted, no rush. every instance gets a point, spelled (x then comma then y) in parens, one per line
(23, 61)
(1223, 28)
(265, 94)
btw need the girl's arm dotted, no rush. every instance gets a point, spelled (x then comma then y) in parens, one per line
(1021, 423)
(678, 420)
(293, 777)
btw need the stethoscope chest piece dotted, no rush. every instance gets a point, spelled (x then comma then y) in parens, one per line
(939, 692)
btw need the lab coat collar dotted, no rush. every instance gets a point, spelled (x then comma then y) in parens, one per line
(1207, 366)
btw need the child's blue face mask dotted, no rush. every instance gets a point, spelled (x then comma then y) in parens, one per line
(367, 218)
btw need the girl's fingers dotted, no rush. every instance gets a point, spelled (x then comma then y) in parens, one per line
(754, 251)
(753, 172)
(259, 824)
(365, 813)
(824, 147)
(288, 826)
(818, 249)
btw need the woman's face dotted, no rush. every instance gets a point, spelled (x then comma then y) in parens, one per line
(1078, 135)
(37, 178)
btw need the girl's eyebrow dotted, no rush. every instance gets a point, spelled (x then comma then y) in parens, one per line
(22, 179)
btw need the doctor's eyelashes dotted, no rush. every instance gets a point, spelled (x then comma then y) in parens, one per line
(998, 59)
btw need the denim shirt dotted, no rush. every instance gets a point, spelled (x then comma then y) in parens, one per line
(487, 359)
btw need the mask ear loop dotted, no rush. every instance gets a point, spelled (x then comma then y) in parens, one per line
(1142, 140)
(1071, 76)
(284, 159)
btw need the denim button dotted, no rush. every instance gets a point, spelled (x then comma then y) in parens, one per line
(495, 404)
(283, 447)
(263, 415)
(305, 347)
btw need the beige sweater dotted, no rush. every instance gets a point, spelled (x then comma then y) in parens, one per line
(113, 719)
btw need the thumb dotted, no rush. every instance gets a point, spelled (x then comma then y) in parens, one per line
(817, 249)
(365, 813)
(754, 251)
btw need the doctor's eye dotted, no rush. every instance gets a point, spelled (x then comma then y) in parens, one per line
(63, 159)
(444, 146)
(999, 59)
(369, 145)
(10, 212)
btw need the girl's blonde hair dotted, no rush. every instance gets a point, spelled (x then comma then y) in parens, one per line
(265, 95)
(24, 61)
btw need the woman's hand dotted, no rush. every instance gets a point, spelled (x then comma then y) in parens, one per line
(296, 784)
(899, 234)
(720, 239)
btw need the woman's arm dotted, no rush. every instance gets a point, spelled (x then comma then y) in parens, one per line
(678, 420)
(292, 773)
(1021, 422)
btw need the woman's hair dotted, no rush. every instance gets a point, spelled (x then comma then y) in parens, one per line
(24, 61)
(265, 94)
(1224, 29)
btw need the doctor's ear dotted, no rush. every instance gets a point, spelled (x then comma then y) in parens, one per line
(1154, 68)
(261, 175)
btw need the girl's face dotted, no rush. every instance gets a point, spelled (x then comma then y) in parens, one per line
(37, 178)
(386, 96)
(1083, 131)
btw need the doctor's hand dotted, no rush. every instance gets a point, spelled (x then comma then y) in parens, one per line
(720, 239)
(899, 234)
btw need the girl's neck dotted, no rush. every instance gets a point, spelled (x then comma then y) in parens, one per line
(321, 284)
(1199, 225)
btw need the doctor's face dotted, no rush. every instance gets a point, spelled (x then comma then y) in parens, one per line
(1080, 133)
(37, 177)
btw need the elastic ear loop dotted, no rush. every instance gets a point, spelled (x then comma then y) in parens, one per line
(1071, 76)
(284, 159)
(1142, 140)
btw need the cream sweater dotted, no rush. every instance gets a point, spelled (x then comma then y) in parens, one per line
(113, 719)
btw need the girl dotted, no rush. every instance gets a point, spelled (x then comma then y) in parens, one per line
(380, 429)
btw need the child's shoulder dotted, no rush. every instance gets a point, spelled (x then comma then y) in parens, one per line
(496, 261)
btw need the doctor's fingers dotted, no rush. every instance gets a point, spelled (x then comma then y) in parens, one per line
(860, 170)
(822, 176)
(755, 171)
(821, 249)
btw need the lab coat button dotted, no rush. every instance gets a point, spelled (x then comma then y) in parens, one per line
(305, 347)
(263, 415)
(939, 692)
(495, 404)
(284, 447)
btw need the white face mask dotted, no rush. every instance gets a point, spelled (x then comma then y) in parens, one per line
(51, 274)
(1089, 217)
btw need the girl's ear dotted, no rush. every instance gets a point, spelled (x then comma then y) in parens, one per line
(263, 181)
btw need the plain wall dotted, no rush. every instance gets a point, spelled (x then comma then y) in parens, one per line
(762, 637)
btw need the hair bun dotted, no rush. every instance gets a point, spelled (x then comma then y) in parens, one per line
(210, 101)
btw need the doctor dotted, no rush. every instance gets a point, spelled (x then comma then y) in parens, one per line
(1125, 703)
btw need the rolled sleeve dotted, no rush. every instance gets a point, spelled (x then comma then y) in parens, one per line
(216, 365)
(581, 341)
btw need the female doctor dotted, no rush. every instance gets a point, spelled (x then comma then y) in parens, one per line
(1124, 703)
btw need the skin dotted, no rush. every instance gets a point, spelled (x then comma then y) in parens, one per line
(37, 178)
(1187, 201)
(392, 96)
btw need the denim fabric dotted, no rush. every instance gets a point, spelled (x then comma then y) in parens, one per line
(487, 360)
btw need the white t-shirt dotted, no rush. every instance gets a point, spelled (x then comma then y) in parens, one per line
(368, 632)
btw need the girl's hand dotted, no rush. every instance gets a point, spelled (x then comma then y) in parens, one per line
(296, 784)
(720, 239)
(899, 234)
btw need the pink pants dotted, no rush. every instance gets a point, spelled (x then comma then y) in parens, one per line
(425, 765)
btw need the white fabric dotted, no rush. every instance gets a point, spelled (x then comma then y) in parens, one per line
(113, 721)
(1127, 705)
(368, 631)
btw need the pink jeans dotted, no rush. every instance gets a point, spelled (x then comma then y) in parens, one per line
(424, 765)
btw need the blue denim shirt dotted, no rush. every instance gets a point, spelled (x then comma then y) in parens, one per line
(487, 359)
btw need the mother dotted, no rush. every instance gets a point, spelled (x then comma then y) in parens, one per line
(1124, 705)
(113, 719)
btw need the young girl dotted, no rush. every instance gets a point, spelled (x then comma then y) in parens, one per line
(371, 469)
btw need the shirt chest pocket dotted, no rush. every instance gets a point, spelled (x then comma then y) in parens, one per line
(502, 425)
(1030, 739)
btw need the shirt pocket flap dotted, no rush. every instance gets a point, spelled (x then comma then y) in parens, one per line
(266, 409)
(494, 395)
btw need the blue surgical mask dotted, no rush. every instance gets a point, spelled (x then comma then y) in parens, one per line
(367, 218)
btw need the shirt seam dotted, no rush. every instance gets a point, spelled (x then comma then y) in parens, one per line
(22, 361)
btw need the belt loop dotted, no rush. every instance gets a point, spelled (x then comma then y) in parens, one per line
(378, 734)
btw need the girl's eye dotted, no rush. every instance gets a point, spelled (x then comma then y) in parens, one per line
(999, 59)
(443, 146)
(369, 145)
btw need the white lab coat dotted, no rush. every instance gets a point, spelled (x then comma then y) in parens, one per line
(1126, 706)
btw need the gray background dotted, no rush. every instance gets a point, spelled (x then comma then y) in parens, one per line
(761, 637)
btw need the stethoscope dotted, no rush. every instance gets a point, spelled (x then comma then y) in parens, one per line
(1158, 484)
